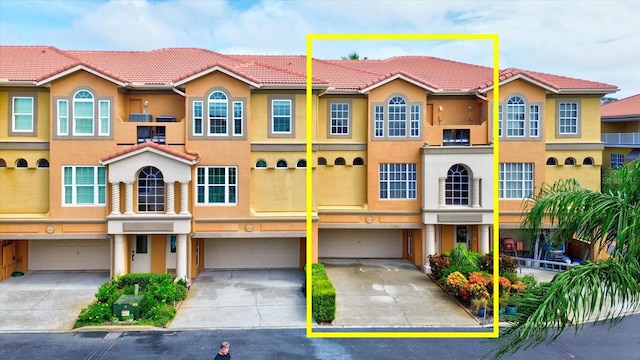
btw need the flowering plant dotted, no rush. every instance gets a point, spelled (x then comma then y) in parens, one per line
(455, 282)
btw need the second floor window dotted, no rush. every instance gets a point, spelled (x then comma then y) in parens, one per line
(397, 117)
(84, 185)
(217, 185)
(515, 116)
(22, 115)
(339, 118)
(281, 117)
(218, 109)
(398, 181)
(150, 190)
(83, 113)
(457, 186)
(568, 118)
(515, 180)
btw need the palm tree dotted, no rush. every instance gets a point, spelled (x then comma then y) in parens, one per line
(353, 56)
(603, 290)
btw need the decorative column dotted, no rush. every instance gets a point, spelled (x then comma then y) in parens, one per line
(483, 247)
(475, 202)
(181, 257)
(119, 255)
(128, 198)
(184, 198)
(115, 198)
(171, 198)
(430, 245)
(441, 191)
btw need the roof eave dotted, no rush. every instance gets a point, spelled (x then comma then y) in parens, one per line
(285, 86)
(66, 72)
(522, 77)
(396, 77)
(7, 82)
(151, 149)
(213, 69)
(588, 91)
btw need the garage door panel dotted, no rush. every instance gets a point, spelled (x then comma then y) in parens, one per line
(381, 243)
(69, 254)
(258, 253)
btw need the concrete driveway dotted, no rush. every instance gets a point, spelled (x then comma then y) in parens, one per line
(390, 293)
(243, 299)
(46, 301)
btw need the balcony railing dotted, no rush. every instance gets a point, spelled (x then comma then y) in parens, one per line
(632, 139)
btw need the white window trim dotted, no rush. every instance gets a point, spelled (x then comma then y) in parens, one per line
(378, 121)
(577, 118)
(93, 113)
(237, 118)
(533, 120)
(66, 107)
(273, 116)
(410, 168)
(523, 121)
(227, 185)
(406, 116)
(332, 119)
(74, 192)
(14, 113)
(104, 117)
(201, 118)
(416, 110)
(502, 181)
(226, 117)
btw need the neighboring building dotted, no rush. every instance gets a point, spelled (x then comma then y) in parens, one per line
(179, 160)
(621, 131)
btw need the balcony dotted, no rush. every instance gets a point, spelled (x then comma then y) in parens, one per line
(621, 139)
(170, 132)
(457, 135)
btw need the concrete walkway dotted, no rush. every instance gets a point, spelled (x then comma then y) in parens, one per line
(243, 299)
(390, 293)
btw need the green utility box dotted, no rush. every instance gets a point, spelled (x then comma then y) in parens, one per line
(127, 305)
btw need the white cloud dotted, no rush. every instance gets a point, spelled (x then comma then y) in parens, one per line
(594, 40)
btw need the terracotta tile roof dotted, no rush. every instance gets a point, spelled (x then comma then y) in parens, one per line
(627, 107)
(168, 66)
(149, 144)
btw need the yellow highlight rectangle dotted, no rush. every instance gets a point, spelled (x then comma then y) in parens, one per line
(309, 182)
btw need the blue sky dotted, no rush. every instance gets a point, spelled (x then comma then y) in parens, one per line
(594, 40)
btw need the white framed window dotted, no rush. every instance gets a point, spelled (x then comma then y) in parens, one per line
(198, 129)
(281, 116)
(22, 114)
(238, 111)
(63, 117)
(568, 118)
(534, 121)
(515, 180)
(217, 185)
(218, 110)
(378, 114)
(616, 161)
(84, 185)
(22, 164)
(150, 190)
(397, 117)
(301, 164)
(515, 116)
(281, 164)
(499, 120)
(339, 118)
(261, 164)
(457, 186)
(415, 121)
(104, 117)
(83, 113)
(398, 181)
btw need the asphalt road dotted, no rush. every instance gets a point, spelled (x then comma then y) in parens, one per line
(594, 342)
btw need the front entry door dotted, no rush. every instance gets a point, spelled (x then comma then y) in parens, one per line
(463, 236)
(140, 254)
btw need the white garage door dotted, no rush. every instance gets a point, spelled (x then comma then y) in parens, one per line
(255, 253)
(382, 243)
(69, 254)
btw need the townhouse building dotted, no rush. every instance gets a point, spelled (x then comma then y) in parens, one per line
(621, 131)
(180, 160)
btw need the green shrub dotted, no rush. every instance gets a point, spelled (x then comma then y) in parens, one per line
(507, 264)
(512, 277)
(95, 314)
(142, 279)
(323, 295)
(438, 263)
(108, 292)
(460, 256)
(464, 270)
(529, 280)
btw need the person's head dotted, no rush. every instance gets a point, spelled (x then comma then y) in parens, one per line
(224, 348)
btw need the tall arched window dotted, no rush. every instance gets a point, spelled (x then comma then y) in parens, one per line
(397, 116)
(150, 190)
(515, 116)
(218, 105)
(457, 186)
(83, 113)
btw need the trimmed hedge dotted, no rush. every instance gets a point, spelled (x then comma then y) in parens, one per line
(323, 295)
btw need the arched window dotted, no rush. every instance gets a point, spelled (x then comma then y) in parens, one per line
(301, 164)
(83, 113)
(358, 161)
(457, 186)
(261, 164)
(515, 116)
(218, 105)
(150, 190)
(42, 164)
(322, 161)
(570, 161)
(339, 161)
(552, 161)
(21, 163)
(397, 116)
(281, 164)
(3, 164)
(587, 161)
